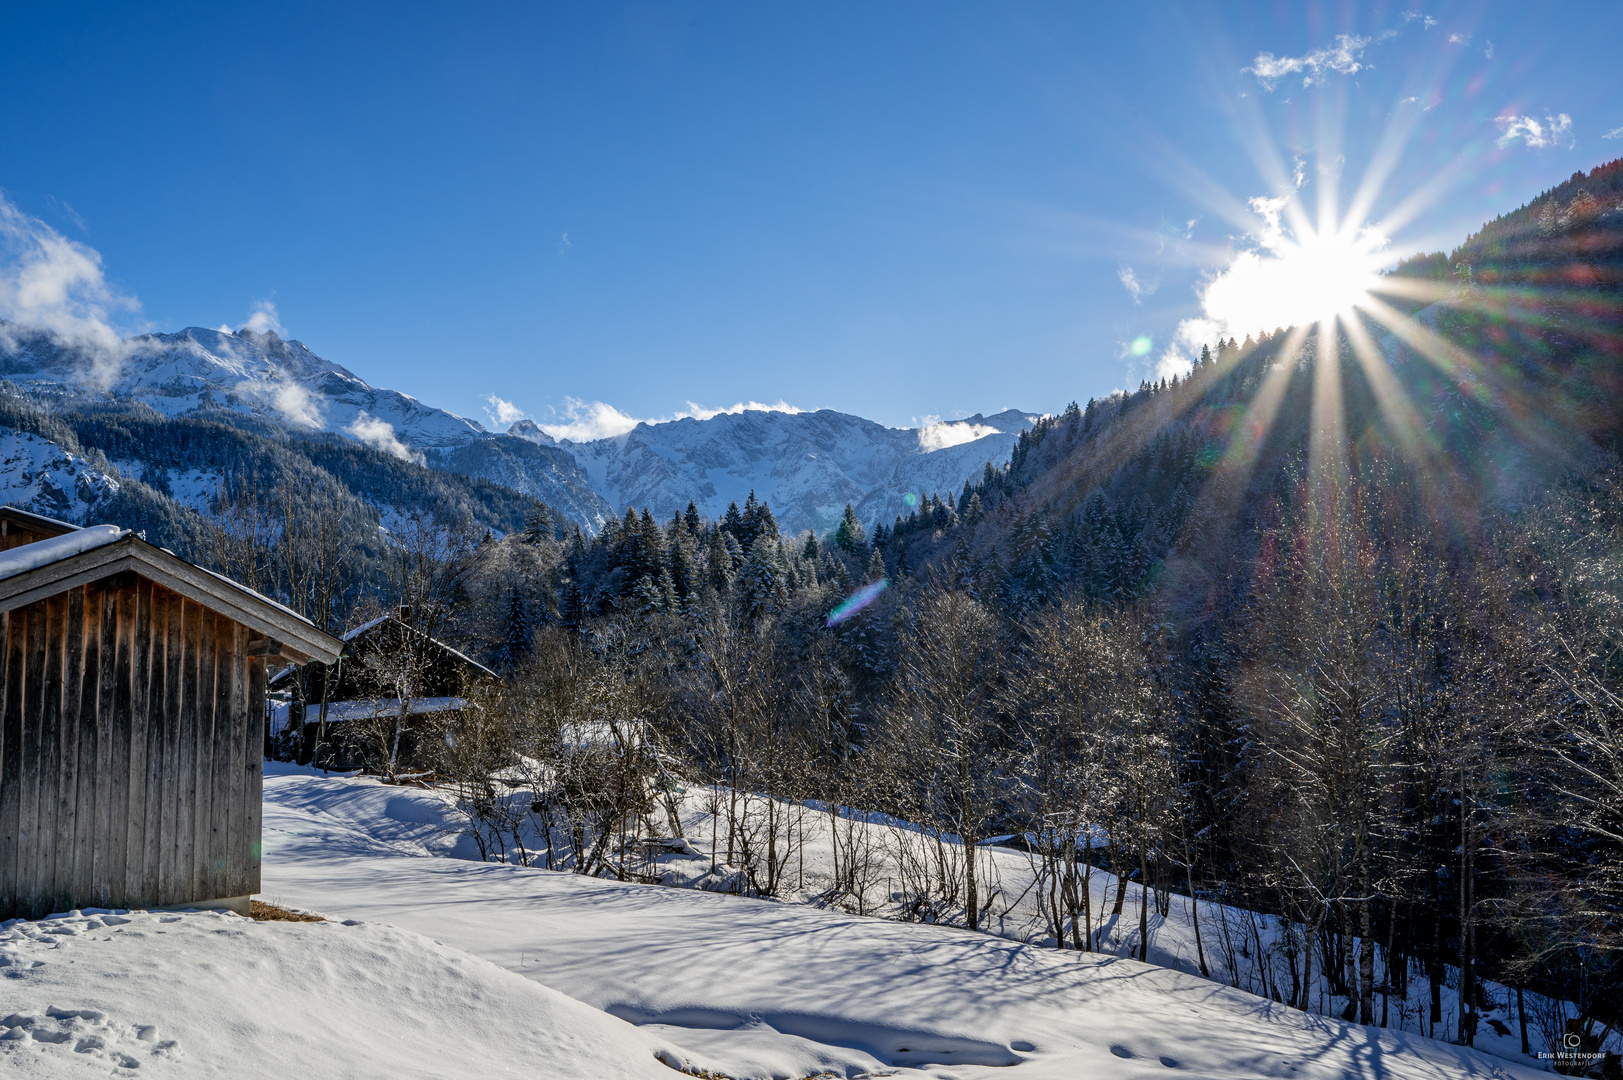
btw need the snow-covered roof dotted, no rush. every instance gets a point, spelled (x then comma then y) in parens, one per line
(257, 595)
(33, 571)
(602, 734)
(45, 552)
(29, 520)
(367, 709)
(351, 635)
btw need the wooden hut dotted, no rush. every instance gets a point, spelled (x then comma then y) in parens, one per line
(333, 712)
(131, 710)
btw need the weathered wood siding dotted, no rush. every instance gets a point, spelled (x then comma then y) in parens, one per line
(130, 769)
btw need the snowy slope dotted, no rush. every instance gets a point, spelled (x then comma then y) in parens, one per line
(807, 466)
(208, 994)
(756, 989)
(38, 475)
(542, 471)
(194, 489)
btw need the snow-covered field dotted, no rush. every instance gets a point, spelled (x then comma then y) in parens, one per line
(207, 994)
(1235, 946)
(738, 987)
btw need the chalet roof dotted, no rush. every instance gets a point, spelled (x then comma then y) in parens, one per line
(44, 568)
(44, 552)
(354, 642)
(28, 522)
(362, 631)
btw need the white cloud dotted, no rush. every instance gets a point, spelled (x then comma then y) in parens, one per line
(262, 319)
(1345, 56)
(379, 434)
(699, 412)
(935, 435)
(285, 396)
(1459, 39)
(1488, 52)
(1554, 131)
(294, 402)
(1136, 287)
(1181, 354)
(502, 413)
(1615, 133)
(51, 283)
(67, 211)
(1269, 209)
(1172, 365)
(1426, 21)
(583, 421)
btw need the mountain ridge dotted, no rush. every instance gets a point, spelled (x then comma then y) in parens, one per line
(808, 463)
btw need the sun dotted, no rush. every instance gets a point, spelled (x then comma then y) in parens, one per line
(1298, 278)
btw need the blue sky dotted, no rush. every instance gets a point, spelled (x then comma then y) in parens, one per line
(901, 210)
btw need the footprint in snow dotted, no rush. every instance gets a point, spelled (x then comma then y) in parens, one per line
(86, 1031)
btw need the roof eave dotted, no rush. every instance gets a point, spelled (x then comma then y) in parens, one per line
(296, 638)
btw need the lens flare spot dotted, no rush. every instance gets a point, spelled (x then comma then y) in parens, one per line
(1141, 345)
(857, 601)
(910, 499)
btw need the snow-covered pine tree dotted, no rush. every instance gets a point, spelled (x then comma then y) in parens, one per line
(517, 637)
(758, 522)
(848, 535)
(538, 527)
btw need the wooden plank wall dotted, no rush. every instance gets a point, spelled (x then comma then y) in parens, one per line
(15, 535)
(130, 767)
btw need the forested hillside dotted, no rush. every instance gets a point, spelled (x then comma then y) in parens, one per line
(256, 500)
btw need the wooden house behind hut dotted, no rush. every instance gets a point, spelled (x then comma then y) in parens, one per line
(393, 689)
(131, 709)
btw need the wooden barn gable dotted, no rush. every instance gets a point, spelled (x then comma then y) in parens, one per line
(131, 709)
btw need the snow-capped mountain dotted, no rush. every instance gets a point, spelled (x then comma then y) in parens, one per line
(806, 465)
(246, 372)
(261, 375)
